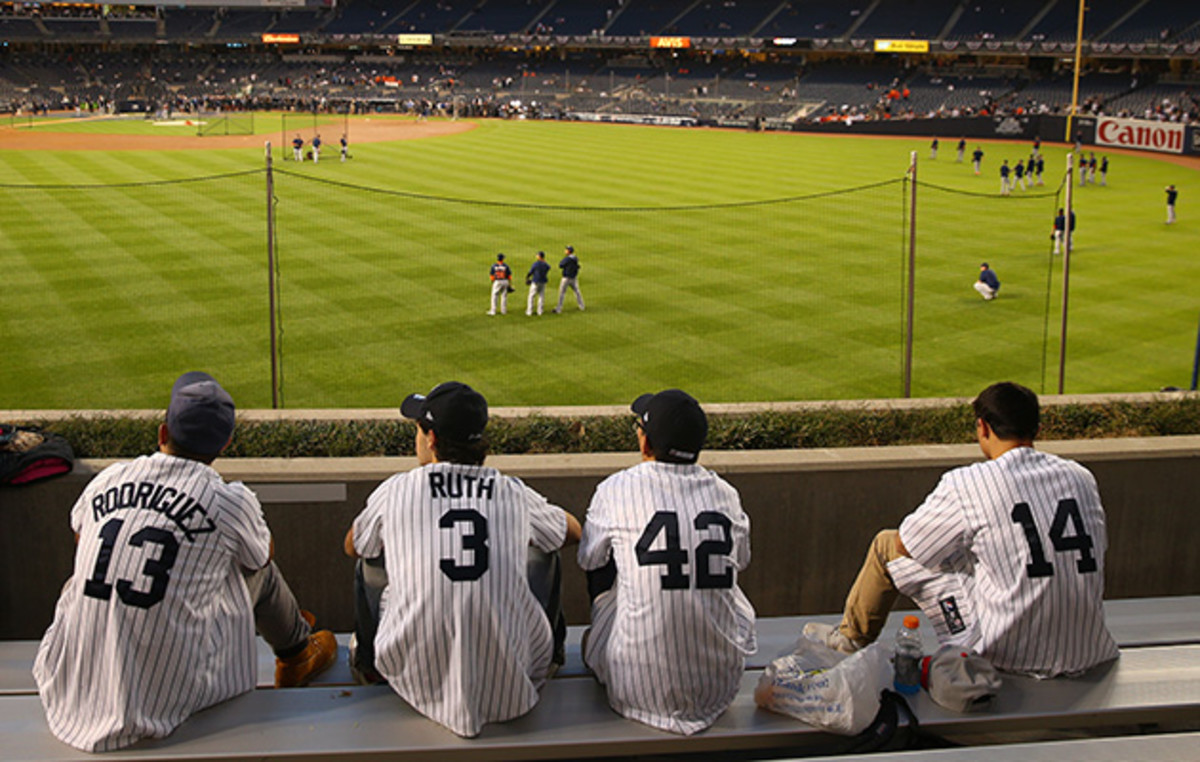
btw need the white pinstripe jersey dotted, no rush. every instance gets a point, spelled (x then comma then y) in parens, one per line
(1028, 531)
(461, 636)
(670, 645)
(156, 621)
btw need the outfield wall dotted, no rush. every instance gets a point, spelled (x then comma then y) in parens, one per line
(813, 513)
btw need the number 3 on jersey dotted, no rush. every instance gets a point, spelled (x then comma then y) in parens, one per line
(675, 557)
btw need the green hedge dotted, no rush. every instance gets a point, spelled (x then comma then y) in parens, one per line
(826, 427)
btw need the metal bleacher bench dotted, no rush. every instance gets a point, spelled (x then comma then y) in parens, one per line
(1156, 680)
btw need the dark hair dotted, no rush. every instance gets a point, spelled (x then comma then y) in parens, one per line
(182, 452)
(664, 456)
(1011, 410)
(454, 451)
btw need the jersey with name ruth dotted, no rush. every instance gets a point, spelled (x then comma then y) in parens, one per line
(670, 645)
(1028, 531)
(156, 622)
(461, 636)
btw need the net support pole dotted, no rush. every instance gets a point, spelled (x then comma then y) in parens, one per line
(271, 279)
(1068, 236)
(910, 296)
(1196, 361)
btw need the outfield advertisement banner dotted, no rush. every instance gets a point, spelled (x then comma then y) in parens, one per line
(1140, 134)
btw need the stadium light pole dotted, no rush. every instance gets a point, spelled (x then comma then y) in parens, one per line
(1078, 57)
(271, 278)
(1068, 234)
(912, 274)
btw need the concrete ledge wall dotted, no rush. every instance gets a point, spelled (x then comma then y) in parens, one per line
(813, 513)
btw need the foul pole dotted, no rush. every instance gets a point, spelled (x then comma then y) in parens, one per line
(1075, 86)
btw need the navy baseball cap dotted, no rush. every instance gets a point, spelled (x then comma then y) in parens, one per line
(452, 410)
(201, 414)
(570, 249)
(674, 423)
(499, 257)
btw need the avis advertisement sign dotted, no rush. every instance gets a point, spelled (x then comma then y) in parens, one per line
(1140, 134)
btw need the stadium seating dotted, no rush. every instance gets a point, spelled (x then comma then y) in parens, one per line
(1150, 685)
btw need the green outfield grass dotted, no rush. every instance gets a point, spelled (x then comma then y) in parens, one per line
(711, 261)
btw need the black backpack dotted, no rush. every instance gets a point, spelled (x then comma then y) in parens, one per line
(29, 454)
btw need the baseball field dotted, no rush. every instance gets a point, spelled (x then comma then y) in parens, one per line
(739, 266)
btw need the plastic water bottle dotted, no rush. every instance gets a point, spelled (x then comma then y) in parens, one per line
(908, 657)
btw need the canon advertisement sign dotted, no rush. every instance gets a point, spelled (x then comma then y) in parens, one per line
(1140, 134)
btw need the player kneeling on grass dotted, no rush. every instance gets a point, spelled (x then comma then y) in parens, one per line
(172, 572)
(1004, 557)
(663, 543)
(457, 587)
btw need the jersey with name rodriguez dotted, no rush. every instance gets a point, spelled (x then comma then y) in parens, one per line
(156, 621)
(461, 637)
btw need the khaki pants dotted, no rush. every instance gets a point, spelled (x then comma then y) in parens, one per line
(871, 597)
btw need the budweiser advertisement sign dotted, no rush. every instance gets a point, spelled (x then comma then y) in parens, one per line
(1140, 134)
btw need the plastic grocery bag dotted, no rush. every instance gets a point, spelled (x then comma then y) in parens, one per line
(826, 688)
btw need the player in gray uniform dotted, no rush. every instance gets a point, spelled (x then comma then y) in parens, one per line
(501, 276)
(458, 604)
(570, 278)
(663, 543)
(1004, 557)
(536, 278)
(172, 573)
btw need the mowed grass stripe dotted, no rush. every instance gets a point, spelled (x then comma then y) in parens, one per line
(775, 302)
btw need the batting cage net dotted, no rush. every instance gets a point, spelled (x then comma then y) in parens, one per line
(236, 123)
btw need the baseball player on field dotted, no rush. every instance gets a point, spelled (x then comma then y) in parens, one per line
(663, 543)
(298, 147)
(457, 588)
(1004, 557)
(501, 275)
(536, 278)
(172, 573)
(569, 265)
(316, 148)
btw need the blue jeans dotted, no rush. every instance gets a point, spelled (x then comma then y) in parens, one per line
(543, 570)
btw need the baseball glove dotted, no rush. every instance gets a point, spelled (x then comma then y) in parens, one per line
(510, 288)
(528, 280)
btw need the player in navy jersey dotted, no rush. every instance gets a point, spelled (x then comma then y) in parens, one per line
(172, 574)
(1004, 557)
(1019, 171)
(1041, 166)
(663, 543)
(1004, 172)
(298, 147)
(536, 278)
(988, 285)
(1104, 170)
(457, 590)
(501, 276)
(977, 158)
(962, 147)
(1172, 194)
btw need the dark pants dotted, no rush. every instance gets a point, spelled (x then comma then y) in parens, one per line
(543, 570)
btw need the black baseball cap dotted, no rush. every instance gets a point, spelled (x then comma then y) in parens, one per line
(201, 414)
(674, 423)
(452, 410)
(499, 257)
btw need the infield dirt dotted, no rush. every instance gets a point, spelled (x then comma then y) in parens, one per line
(363, 131)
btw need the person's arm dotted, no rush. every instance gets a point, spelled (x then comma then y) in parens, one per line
(348, 543)
(574, 530)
